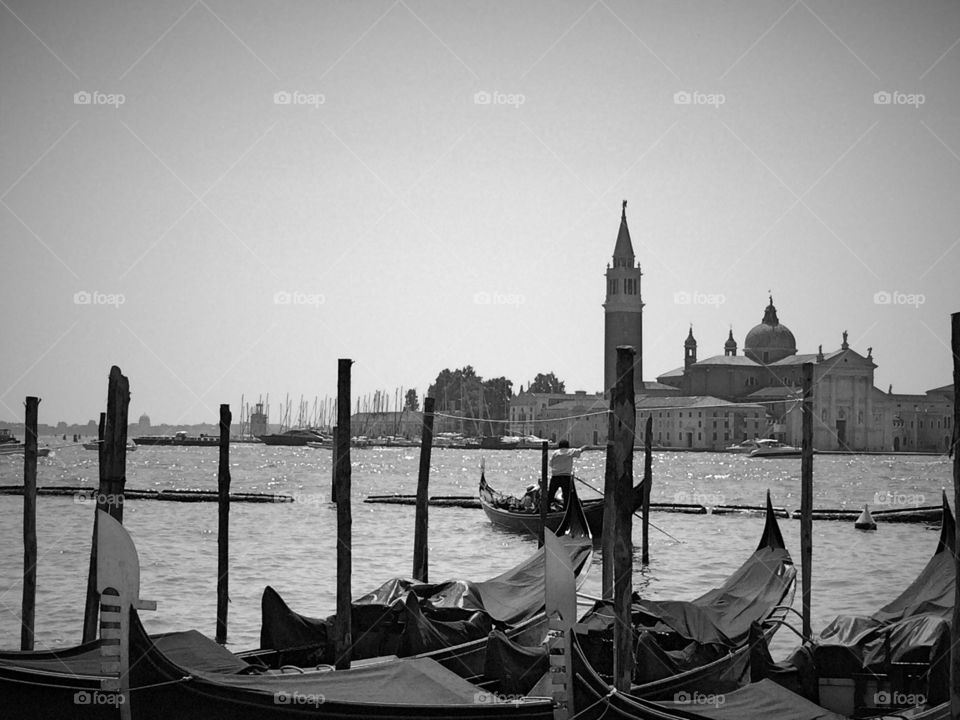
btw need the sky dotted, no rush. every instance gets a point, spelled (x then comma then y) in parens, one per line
(223, 198)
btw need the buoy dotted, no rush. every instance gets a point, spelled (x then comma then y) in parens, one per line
(865, 521)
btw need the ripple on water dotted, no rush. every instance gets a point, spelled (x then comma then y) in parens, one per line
(292, 546)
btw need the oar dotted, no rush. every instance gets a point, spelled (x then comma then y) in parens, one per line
(635, 512)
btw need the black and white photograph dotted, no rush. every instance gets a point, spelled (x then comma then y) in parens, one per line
(478, 359)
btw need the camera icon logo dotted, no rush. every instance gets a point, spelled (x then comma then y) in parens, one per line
(882, 97)
(82, 297)
(882, 297)
(282, 97)
(682, 97)
(82, 98)
(482, 97)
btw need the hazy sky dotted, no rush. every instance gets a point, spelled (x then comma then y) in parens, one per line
(225, 197)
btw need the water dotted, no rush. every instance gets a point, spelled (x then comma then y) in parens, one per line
(292, 546)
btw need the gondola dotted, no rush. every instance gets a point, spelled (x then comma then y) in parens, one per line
(130, 675)
(860, 665)
(506, 515)
(704, 645)
(449, 620)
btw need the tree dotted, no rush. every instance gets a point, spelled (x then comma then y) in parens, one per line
(411, 402)
(459, 392)
(548, 383)
(496, 397)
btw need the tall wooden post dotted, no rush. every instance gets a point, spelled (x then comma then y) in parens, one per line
(420, 531)
(955, 625)
(223, 525)
(544, 465)
(28, 611)
(113, 478)
(647, 482)
(333, 466)
(618, 512)
(806, 497)
(343, 630)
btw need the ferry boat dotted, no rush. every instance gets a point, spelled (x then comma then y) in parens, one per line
(180, 439)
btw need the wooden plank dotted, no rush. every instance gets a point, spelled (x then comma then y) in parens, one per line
(342, 624)
(223, 525)
(806, 498)
(29, 604)
(421, 520)
(333, 467)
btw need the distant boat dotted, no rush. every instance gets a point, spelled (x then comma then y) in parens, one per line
(774, 448)
(745, 447)
(496, 442)
(181, 439)
(95, 444)
(294, 438)
(15, 448)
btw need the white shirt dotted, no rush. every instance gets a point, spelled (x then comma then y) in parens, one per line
(562, 461)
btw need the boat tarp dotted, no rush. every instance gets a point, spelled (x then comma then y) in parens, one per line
(911, 628)
(515, 668)
(405, 617)
(852, 644)
(406, 681)
(722, 616)
(759, 701)
(189, 648)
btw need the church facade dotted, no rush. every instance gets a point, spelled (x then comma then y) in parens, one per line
(850, 413)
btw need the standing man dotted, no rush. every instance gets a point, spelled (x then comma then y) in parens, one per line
(561, 470)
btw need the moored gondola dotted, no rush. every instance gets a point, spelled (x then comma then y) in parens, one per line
(448, 620)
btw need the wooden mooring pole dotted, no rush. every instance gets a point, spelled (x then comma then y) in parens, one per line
(955, 447)
(223, 525)
(113, 477)
(544, 480)
(420, 528)
(28, 611)
(343, 630)
(618, 513)
(333, 466)
(806, 498)
(647, 482)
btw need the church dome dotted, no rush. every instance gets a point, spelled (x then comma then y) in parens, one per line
(769, 341)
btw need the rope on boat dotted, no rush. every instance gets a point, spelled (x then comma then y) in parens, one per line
(636, 512)
(605, 698)
(87, 688)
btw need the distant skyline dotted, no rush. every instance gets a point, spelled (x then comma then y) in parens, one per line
(222, 198)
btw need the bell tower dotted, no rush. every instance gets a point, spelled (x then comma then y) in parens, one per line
(623, 309)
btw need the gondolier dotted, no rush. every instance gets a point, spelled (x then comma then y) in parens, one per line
(561, 471)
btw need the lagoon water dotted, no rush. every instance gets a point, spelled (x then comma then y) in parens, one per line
(292, 546)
